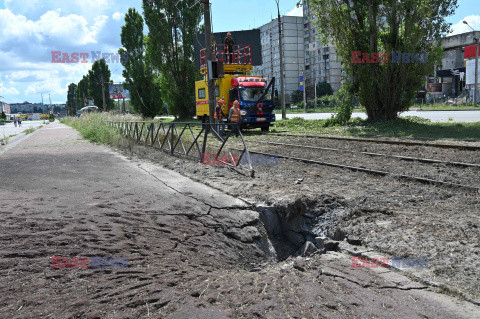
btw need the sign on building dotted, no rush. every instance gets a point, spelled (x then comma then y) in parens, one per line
(470, 51)
(434, 87)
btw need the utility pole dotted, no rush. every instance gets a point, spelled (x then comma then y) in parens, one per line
(103, 95)
(209, 51)
(304, 91)
(282, 71)
(51, 108)
(41, 93)
(475, 98)
(315, 100)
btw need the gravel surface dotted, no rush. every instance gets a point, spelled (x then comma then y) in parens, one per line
(394, 217)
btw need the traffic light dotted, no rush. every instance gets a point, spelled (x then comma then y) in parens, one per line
(215, 70)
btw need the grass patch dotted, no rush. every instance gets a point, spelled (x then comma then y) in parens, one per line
(314, 110)
(410, 126)
(29, 130)
(94, 127)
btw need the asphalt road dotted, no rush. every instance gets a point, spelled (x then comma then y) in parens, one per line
(191, 251)
(10, 130)
(436, 116)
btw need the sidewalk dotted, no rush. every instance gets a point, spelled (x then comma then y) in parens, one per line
(191, 251)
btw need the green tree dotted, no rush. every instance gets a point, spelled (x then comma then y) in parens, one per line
(172, 26)
(138, 73)
(324, 88)
(98, 74)
(370, 26)
(71, 104)
(82, 90)
(296, 97)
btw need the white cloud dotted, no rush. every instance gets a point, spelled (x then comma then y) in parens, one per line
(8, 91)
(117, 16)
(460, 27)
(297, 12)
(31, 29)
(50, 28)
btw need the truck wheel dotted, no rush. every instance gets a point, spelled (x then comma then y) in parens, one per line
(265, 128)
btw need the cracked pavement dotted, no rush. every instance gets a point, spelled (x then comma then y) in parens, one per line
(193, 251)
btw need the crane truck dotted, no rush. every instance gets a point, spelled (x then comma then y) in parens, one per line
(254, 94)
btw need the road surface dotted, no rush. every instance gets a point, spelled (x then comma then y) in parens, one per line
(9, 130)
(156, 244)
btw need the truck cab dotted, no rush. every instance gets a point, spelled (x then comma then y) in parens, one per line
(254, 94)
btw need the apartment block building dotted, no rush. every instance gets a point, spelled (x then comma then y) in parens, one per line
(293, 52)
(321, 61)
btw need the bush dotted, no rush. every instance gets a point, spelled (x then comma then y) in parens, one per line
(3, 117)
(326, 101)
(324, 89)
(343, 100)
(296, 97)
(93, 127)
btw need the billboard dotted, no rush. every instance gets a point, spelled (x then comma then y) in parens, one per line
(248, 37)
(117, 91)
(471, 72)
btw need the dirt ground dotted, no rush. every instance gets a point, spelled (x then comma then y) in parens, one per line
(194, 252)
(394, 217)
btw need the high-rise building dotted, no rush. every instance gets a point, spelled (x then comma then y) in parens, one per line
(321, 61)
(4, 107)
(293, 52)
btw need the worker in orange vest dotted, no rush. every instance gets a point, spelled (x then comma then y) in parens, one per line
(234, 117)
(218, 117)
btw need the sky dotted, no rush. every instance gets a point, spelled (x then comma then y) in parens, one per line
(31, 29)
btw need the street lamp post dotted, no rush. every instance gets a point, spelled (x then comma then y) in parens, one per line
(475, 94)
(41, 94)
(282, 71)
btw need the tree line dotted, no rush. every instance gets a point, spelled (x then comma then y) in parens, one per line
(159, 67)
(90, 86)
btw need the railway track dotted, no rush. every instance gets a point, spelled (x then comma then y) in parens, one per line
(378, 141)
(460, 178)
(405, 158)
(422, 180)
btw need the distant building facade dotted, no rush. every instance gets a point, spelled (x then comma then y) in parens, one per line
(27, 107)
(451, 74)
(4, 107)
